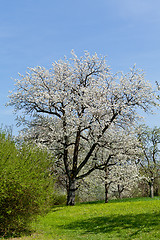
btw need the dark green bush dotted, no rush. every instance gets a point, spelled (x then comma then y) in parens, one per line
(26, 186)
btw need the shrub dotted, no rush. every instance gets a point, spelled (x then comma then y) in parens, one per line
(25, 184)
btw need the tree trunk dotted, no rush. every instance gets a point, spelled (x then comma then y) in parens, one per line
(119, 192)
(71, 192)
(151, 188)
(106, 184)
(106, 193)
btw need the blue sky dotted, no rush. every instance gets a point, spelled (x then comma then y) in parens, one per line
(38, 32)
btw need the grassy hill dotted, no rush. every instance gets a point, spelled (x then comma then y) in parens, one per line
(126, 219)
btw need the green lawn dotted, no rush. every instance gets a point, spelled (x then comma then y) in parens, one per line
(128, 219)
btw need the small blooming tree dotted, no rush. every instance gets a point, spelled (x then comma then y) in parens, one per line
(122, 177)
(116, 157)
(150, 160)
(72, 102)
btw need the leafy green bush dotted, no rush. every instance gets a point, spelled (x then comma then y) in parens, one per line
(26, 186)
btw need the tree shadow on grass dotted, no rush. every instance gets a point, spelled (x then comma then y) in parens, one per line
(116, 223)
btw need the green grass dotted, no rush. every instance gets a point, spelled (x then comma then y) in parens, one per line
(126, 219)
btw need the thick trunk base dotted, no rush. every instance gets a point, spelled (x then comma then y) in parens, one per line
(71, 193)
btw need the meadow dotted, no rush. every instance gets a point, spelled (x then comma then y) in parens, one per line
(126, 219)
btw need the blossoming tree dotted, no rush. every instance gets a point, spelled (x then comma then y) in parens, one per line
(123, 176)
(118, 152)
(73, 101)
(149, 139)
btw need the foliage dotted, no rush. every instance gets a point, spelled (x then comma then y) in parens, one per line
(125, 219)
(25, 184)
(73, 104)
